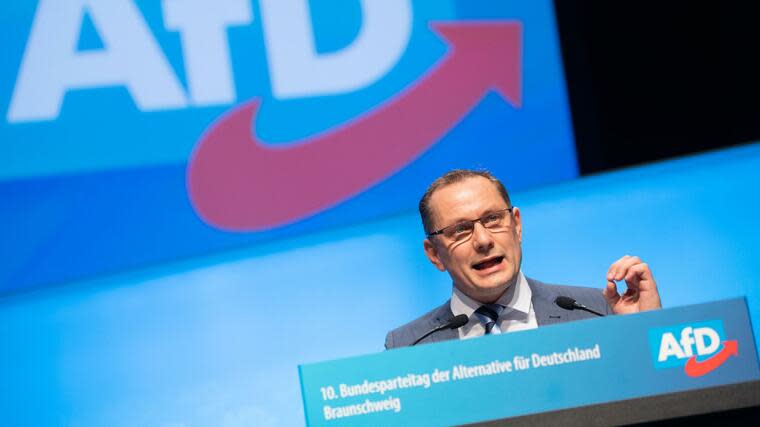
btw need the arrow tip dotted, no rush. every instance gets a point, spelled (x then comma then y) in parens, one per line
(732, 347)
(491, 50)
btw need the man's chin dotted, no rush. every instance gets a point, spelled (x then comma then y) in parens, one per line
(499, 280)
(489, 292)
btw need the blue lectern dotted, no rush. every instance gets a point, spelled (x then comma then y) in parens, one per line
(652, 363)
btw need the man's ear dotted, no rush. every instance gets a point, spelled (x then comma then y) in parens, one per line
(432, 253)
(518, 223)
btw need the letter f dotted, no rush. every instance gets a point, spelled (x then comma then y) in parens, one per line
(687, 339)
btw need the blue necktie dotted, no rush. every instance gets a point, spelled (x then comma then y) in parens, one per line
(488, 314)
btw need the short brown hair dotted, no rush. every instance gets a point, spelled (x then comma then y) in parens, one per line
(451, 177)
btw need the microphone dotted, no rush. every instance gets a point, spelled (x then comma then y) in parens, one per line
(570, 304)
(455, 322)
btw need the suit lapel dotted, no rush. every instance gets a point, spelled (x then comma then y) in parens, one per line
(547, 312)
(442, 315)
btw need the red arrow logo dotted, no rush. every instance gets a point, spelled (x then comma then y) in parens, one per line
(237, 183)
(697, 369)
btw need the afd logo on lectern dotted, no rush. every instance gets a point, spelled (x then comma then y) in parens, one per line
(700, 347)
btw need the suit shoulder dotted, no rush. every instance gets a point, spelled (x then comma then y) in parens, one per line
(568, 290)
(591, 297)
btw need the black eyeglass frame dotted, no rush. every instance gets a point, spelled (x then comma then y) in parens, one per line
(472, 221)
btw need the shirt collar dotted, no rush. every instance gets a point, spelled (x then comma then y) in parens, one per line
(516, 298)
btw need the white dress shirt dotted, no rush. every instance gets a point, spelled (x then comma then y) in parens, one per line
(517, 315)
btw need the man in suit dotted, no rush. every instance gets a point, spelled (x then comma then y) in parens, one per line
(474, 233)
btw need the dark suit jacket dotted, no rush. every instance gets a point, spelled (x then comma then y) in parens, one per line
(543, 296)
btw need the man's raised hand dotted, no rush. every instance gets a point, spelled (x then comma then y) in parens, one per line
(642, 293)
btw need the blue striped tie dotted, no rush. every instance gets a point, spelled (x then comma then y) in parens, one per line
(488, 314)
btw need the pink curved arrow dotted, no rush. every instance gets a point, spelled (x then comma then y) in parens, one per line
(237, 183)
(694, 368)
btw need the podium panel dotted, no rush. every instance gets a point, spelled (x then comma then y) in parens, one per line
(552, 368)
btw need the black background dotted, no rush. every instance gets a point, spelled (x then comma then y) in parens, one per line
(650, 80)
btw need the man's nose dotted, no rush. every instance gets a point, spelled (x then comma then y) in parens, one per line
(482, 239)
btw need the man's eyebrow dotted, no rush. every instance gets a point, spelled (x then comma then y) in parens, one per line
(485, 212)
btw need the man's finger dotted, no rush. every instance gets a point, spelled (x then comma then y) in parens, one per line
(612, 271)
(641, 277)
(637, 273)
(633, 277)
(611, 294)
(625, 265)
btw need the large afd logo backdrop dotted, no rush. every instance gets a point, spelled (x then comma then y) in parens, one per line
(141, 132)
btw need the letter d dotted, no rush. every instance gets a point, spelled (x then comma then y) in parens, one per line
(699, 336)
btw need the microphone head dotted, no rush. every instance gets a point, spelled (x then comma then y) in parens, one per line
(565, 302)
(458, 321)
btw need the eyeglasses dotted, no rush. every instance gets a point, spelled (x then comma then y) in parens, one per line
(463, 230)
